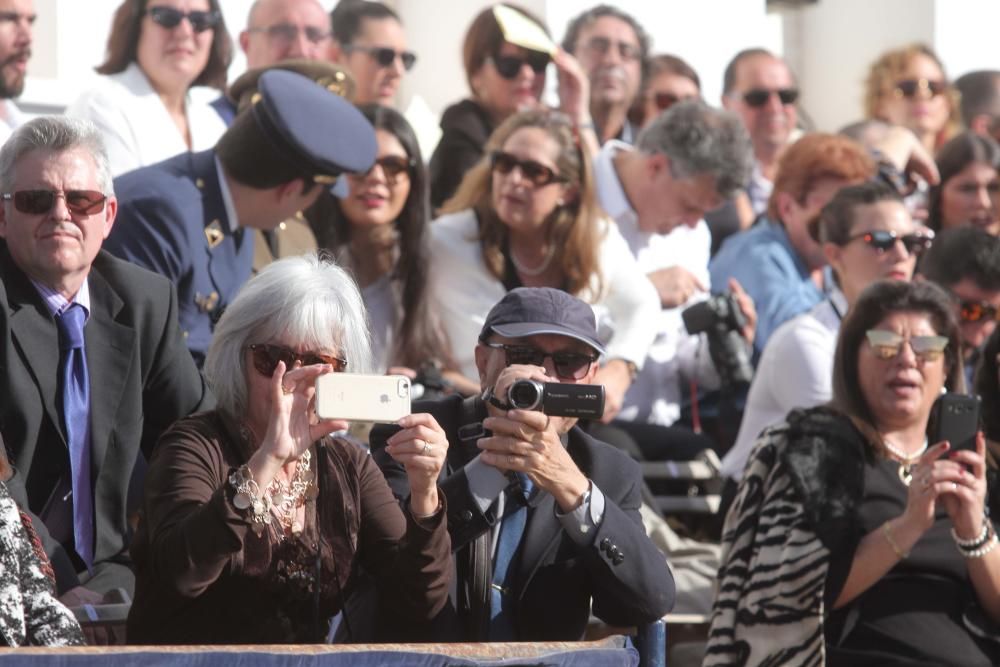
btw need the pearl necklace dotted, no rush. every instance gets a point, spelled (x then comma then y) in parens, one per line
(905, 460)
(538, 270)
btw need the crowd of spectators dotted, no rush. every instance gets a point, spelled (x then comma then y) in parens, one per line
(179, 278)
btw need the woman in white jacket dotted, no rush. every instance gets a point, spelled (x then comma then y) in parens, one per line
(527, 215)
(157, 51)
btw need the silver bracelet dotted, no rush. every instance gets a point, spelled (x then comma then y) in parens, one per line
(247, 496)
(975, 542)
(989, 546)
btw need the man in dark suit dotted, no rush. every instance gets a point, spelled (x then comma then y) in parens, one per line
(580, 538)
(184, 218)
(94, 365)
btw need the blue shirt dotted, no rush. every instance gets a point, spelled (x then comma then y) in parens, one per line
(766, 265)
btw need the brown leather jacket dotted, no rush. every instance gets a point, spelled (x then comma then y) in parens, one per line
(204, 576)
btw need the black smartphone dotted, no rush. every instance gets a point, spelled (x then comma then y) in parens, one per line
(955, 418)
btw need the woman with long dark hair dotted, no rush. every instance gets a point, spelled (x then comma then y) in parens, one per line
(379, 232)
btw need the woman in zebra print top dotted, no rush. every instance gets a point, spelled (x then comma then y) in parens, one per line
(845, 543)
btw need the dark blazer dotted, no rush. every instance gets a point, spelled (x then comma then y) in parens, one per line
(465, 129)
(172, 220)
(141, 380)
(622, 571)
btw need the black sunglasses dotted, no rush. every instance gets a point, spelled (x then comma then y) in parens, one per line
(37, 202)
(908, 87)
(266, 358)
(758, 97)
(977, 311)
(392, 166)
(534, 172)
(883, 241)
(568, 365)
(384, 56)
(510, 66)
(170, 18)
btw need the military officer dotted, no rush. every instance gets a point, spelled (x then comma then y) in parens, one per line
(185, 217)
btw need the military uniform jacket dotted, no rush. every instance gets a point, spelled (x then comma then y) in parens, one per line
(172, 220)
(621, 571)
(141, 380)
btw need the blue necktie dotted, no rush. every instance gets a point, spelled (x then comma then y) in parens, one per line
(76, 416)
(511, 531)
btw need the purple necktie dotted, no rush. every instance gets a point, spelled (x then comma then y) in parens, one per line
(76, 418)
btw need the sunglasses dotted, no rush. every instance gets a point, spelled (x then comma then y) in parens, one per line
(908, 87)
(535, 173)
(266, 358)
(286, 33)
(888, 344)
(170, 18)
(883, 241)
(37, 202)
(510, 66)
(758, 97)
(568, 365)
(977, 311)
(602, 45)
(393, 166)
(663, 101)
(386, 57)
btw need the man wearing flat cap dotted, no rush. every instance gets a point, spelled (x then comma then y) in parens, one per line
(544, 519)
(185, 217)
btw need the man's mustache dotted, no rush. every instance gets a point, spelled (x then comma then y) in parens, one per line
(24, 54)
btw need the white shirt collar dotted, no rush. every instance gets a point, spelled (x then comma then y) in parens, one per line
(227, 197)
(610, 191)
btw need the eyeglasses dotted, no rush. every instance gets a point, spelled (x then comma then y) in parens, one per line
(384, 56)
(884, 241)
(758, 97)
(888, 344)
(286, 33)
(534, 172)
(37, 202)
(510, 66)
(393, 166)
(602, 45)
(568, 365)
(663, 101)
(908, 88)
(977, 311)
(266, 358)
(170, 18)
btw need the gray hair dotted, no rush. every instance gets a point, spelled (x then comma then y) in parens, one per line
(305, 300)
(59, 134)
(701, 140)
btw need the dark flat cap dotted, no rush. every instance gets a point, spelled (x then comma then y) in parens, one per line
(530, 311)
(331, 76)
(319, 132)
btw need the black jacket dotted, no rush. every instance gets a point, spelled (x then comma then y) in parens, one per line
(621, 570)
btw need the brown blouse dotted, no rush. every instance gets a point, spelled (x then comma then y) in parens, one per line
(203, 575)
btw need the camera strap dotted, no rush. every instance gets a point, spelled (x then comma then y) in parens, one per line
(490, 398)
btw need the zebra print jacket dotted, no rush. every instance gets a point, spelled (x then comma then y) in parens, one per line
(30, 614)
(798, 495)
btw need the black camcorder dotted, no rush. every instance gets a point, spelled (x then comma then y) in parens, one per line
(719, 317)
(556, 399)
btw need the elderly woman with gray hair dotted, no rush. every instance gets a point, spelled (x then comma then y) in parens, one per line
(256, 521)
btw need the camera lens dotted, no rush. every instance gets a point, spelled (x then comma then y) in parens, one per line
(525, 394)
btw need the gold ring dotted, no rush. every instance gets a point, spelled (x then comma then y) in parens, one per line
(286, 390)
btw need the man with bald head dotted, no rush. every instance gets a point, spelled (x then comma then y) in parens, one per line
(280, 30)
(761, 89)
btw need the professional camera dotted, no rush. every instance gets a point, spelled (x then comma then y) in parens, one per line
(719, 317)
(585, 401)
